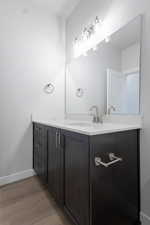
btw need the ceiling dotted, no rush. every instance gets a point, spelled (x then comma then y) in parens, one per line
(61, 7)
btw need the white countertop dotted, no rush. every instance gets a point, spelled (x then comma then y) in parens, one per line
(88, 128)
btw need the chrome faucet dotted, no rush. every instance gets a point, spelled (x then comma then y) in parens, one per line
(111, 107)
(96, 117)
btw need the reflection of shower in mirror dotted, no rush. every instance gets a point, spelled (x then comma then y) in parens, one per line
(123, 91)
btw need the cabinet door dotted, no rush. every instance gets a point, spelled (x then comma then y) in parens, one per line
(55, 164)
(115, 189)
(77, 177)
(40, 151)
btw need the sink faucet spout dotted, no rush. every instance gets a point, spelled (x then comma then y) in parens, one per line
(95, 113)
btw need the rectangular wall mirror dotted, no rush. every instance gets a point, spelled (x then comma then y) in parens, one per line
(109, 76)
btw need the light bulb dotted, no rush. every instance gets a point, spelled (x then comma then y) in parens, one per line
(95, 48)
(107, 39)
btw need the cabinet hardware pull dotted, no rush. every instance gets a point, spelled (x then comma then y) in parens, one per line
(113, 159)
(56, 139)
(59, 138)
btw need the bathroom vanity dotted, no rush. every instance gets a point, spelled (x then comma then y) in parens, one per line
(92, 172)
(92, 169)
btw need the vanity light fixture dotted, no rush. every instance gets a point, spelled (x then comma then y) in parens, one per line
(98, 23)
(85, 41)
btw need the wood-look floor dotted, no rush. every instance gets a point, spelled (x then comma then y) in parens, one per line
(28, 203)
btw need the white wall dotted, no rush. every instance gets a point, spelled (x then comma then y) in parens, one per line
(116, 13)
(32, 53)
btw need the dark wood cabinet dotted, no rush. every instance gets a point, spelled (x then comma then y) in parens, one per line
(115, 189)
(55, 164)
(77, 177)
(40, 151)
(94, 178)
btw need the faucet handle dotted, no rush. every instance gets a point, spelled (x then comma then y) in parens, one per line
(111, 107)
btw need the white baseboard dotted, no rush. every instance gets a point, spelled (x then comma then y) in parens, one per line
(16, 177)
(145, 219)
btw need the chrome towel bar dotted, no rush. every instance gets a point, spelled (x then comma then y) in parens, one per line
(113, 160)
